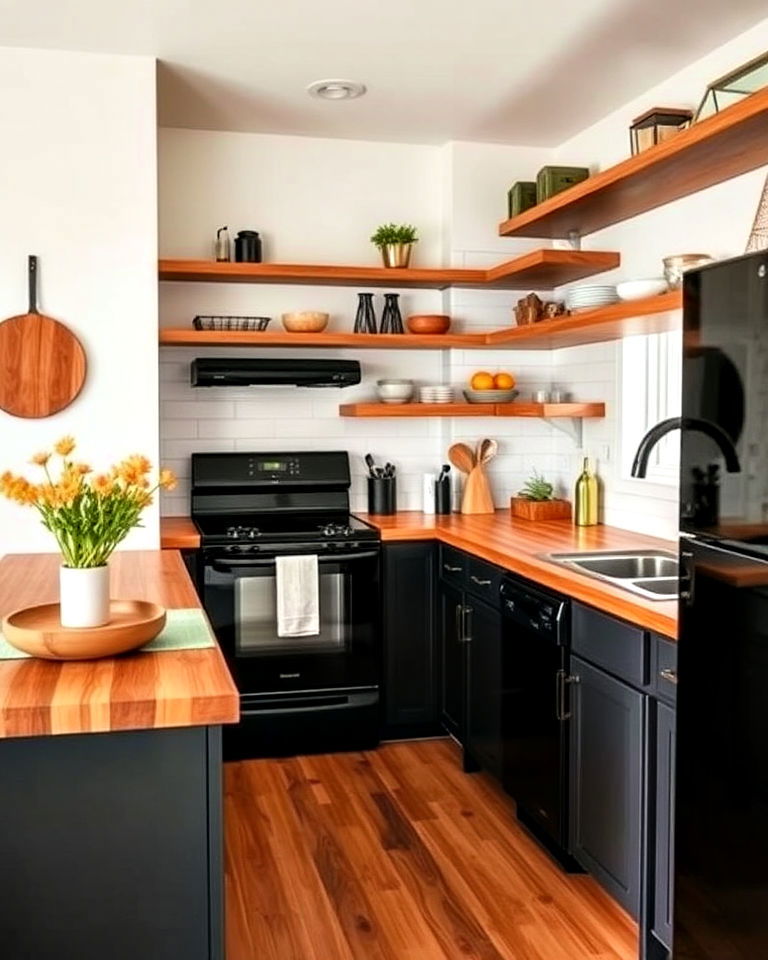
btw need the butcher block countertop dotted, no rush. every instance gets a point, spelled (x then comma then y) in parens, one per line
(515, 545)
(138, 691)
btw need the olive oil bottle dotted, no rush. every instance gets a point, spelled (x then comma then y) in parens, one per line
(585, 507)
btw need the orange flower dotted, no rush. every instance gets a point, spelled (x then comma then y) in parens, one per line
(102, 484)
(81, 469)
(138, 463)
(41, 458)
(167, 479)
(65, 446)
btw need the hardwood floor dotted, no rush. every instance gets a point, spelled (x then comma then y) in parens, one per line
(398, 855)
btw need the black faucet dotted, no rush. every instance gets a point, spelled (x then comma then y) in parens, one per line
(649, 441)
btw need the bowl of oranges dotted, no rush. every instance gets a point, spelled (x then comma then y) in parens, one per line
(487, 387)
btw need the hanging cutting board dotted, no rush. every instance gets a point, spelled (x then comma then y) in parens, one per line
(42, 363)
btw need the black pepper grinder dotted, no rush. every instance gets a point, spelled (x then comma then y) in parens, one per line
(248, 247)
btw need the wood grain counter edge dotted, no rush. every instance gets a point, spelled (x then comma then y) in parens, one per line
(515, 546)
(138, 691)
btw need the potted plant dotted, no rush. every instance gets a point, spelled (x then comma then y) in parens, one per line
(89, 515)
(395, 240)
(536, 501)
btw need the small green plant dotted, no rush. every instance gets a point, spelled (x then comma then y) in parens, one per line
(536, 488)
(389, 233)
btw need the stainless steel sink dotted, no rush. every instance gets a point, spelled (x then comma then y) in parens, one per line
(653, 574)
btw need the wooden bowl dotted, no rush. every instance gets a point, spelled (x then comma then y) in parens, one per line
(38, 631)
(428, 323)
(305, 321)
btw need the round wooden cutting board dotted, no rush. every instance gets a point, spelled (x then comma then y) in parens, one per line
(42, 363)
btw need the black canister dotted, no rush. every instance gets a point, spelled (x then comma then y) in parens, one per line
(382, 495)
(443, 495)
(248, 247)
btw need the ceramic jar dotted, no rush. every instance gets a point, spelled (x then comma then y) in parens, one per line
(84, 596)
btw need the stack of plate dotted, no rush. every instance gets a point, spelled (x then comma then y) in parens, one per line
(590, 296)
(443, 393)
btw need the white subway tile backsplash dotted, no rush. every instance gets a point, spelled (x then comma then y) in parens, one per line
(253, 419)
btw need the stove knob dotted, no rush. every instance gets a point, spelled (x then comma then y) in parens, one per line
(251, 534)
(234, 534)
(347, 531)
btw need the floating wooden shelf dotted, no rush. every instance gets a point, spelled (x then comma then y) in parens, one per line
(722, 146)
(627, 318)
(187, 337)
(653, 315)
(539, 270)
(545, 410)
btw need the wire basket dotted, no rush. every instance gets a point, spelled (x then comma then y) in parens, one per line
(231, 323)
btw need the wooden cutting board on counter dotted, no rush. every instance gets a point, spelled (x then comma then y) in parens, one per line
(42, 363)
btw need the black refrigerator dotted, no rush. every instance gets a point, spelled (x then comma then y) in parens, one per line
(721, 839)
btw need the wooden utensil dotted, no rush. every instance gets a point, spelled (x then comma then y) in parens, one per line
(461, 457)
(42, 363)
(477, 493)
(38, 631)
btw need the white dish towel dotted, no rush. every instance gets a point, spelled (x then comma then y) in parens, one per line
(298, 596)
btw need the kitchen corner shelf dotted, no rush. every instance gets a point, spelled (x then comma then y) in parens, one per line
(546, 411)
(538, 270)
(652, 315)
(724, 145)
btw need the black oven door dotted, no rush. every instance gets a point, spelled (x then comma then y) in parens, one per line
(239, 595)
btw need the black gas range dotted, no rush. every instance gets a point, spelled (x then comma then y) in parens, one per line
(298, 693)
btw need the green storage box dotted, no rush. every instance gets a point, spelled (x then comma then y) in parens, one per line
(521, 197)
(552, 180)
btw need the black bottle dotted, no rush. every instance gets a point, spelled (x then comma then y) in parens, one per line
(248, 247)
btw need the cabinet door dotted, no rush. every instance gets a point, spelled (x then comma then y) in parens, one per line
(410, 692)
(452, 652)
(606, 774)
(483, 686)
(664, 834)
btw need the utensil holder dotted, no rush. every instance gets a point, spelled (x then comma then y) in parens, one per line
(382, 495)
(443, 496)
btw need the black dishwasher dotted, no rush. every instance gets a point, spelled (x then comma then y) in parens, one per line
(534, 711)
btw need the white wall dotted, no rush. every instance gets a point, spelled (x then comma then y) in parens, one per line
(78, 169)
(318, 200)
(715, 221)
(315, 201)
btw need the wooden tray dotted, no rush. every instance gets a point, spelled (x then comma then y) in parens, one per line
(38, 631)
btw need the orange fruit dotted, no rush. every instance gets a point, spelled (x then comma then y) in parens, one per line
(503, 381)
(482, 381)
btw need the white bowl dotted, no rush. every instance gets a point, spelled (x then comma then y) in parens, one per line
(639, 289)
(395, 391)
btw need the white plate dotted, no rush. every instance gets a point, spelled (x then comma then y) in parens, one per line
(639, 289)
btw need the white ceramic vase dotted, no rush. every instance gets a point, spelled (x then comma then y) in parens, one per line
(84, 596)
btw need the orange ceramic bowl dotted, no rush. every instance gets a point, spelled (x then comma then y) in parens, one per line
(429, 323)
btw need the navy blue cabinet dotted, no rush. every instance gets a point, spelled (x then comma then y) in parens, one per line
(662, 872)
(410, 694)
(606, 780)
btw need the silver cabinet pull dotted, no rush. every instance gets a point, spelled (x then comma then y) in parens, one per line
(479, 582)
(459, 623)
(669, 675)
(468, 624)
(449, 569)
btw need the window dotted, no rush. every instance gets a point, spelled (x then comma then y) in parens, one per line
(651, 390)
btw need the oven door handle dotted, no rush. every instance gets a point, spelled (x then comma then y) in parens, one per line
(229, 566)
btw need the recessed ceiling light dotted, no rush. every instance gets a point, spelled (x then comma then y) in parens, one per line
(336, 89)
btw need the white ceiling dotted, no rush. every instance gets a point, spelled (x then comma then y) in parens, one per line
(499, 70)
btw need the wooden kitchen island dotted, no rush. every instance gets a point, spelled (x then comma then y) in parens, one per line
(110, 805)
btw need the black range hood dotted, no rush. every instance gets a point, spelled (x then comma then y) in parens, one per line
(217, 372)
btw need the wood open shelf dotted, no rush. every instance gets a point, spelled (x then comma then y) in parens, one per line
(722, 146)
(187, 337)
(652, 315)
(516, 409)
(627, 318)
(538, 270)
